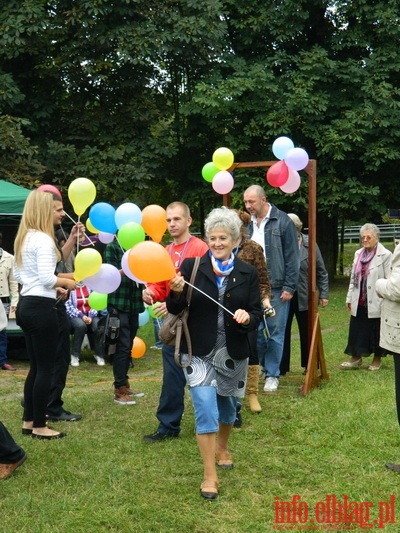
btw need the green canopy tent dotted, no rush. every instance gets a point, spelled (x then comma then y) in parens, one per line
(12, 199)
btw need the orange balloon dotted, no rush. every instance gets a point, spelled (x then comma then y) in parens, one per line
(150, 262)
(138, 348)
(154, 221)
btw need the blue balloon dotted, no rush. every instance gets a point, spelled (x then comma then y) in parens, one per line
(281, 146)
(102, 217)
(143, 318)
(127, 212)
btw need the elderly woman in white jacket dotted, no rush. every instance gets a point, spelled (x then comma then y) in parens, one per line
(389, 290)
(371, 263)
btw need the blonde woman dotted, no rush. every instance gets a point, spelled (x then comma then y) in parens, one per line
(36, 257)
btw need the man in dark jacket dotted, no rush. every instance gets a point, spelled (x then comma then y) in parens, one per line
(275, 232)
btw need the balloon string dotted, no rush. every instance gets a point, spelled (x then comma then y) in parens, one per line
(209, 297)
(116, 238)
(72, 220)
(77, 236)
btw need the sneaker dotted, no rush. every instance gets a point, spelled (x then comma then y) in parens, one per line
(121, 397)
(8, 367)
(158, 437)
(100, 361)
(64, 416)
(271, 384)
(155, 347)
(74, 360)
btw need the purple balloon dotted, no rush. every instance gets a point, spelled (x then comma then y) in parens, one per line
(106, 280)
(296, 159)
(106, 238)
(127, 272)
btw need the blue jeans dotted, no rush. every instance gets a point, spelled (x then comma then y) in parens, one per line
(156, 326)
(123, 354)
(171, 403)
(270, 350)
(3, 347)
(210, 408)
(80, 329)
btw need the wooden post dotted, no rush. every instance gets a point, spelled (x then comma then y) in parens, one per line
(316, 359)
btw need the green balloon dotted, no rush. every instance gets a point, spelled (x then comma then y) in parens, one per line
(129, 234)
(152, 310)
(97, 300)
(208, 171)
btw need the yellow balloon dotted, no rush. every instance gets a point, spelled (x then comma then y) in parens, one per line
(90, 226)
(87, 262)
(223, 158)
(81, 194)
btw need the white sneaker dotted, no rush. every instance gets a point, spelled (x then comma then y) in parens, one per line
(74, 360)
(271, 384)
(100, 361)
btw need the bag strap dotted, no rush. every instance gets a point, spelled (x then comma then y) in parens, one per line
(182, 323)
(192, 278)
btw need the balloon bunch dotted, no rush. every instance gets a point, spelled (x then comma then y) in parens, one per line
(216, 171)
(143, 261)
(284, 174)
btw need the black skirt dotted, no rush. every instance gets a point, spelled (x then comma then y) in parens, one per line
(364, 335)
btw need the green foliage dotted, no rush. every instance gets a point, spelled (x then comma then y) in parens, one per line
(138, 95)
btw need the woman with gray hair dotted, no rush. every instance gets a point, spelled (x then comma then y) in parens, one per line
(220, 318)
(371, 262)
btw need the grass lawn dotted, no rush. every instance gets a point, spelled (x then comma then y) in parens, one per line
(103, 478)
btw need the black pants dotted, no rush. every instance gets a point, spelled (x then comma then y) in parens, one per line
(61, 363)
(253, 358)
(123, 353)
(37, 317)
(302, 322)
(10, 452)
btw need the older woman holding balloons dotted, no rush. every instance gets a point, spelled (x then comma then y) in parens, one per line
(36, 257)
(223, 310)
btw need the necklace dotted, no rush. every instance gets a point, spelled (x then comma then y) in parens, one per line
(182, 254)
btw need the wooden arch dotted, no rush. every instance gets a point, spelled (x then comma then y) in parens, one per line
(316, 369)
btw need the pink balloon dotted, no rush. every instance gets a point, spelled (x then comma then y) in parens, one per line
(106, 238)
(125, 268)
(297, 158)
(222, 182)
(106, 280)
(46, 187)
(277, 174)
(293, 182)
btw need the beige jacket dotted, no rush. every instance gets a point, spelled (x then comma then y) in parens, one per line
(379, 268)
(8, 285)
(389, 290)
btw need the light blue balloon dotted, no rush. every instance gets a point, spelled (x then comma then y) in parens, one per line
(102, 217)
(143, 318)
(281, 146)
(127, 212)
